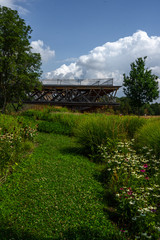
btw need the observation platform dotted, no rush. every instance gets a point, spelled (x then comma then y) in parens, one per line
(81, 93)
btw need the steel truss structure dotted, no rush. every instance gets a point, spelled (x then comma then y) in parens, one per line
(82, 93)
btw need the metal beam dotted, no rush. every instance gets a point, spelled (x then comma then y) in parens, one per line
(97, 93)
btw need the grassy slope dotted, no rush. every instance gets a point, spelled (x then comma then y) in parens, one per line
(54, 195)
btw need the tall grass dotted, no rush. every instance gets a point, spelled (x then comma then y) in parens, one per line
(149, 135)
(94, 130)
(91, 130)
(132, 124)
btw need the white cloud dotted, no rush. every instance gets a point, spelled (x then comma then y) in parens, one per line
(14, 4)
(45, 51)
(113, 59)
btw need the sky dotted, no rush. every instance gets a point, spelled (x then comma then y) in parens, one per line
(84, 39)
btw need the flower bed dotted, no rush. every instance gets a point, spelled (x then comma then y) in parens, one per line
(133, 180)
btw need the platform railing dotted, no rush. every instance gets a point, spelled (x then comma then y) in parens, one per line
(95, 82)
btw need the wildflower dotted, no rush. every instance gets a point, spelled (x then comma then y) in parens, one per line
(142, 170)
(153, 210)
(145, 165)
(147, 178)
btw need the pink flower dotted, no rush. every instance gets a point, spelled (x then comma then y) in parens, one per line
(145, 165)
(129, 193)
(121, 188)
(147, 178)
(142, 170)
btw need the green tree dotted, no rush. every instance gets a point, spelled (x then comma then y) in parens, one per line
(19, 67)
(140, 86)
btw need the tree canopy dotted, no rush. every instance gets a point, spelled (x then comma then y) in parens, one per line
(141, 86)
(19, 66)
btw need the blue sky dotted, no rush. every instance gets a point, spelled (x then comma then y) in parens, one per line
(92, 38)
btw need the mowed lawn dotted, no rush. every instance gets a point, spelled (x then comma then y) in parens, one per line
(54, 194)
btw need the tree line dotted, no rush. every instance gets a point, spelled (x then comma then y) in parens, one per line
(125, 108)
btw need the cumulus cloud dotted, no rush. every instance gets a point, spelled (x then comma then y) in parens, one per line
(113, 59)
(45, 51)
(14, 4)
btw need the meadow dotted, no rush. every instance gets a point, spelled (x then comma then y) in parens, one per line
(79, 176)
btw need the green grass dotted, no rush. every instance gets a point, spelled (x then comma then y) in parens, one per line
(149, 135)
(54, 195)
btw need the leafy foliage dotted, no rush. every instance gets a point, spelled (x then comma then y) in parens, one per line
(140, 86)
(19, 67)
